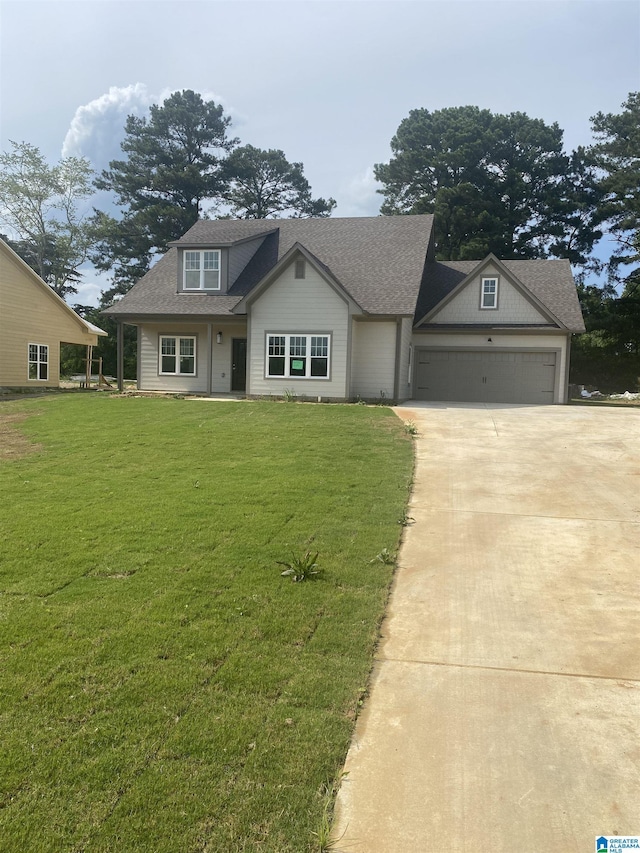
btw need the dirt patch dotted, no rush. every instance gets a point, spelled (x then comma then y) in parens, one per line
(13, 444)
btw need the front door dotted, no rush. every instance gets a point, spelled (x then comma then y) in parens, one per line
(239, 364)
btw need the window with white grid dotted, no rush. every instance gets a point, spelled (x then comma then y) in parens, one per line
(38, 363)
(201, 270)
(298, 356)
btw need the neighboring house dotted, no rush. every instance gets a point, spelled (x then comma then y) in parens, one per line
(34, 321)
(341, 309)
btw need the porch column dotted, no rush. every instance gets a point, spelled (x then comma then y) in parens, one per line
(120, 356)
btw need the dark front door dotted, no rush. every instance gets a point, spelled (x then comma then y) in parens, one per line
(239, 364)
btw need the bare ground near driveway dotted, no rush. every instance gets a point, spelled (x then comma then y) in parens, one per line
(504, 712)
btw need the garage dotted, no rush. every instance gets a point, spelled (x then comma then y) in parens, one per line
(485, 376)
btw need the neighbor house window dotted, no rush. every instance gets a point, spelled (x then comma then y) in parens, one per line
(300, 268)
(201, 270)
(489, 297)
(38, 361)
(298, 356)
(178, 356)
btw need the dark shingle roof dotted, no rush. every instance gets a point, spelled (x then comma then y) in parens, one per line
(378, 260)
(550, 281)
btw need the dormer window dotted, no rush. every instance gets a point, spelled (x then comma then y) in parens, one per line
(300, 268)
(489, 293)
(201, 270)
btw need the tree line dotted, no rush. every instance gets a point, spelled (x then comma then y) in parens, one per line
(496, 183)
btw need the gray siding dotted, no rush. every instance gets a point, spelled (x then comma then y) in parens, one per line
(307, 306)
(221, 355)
(512, 305)
(373, 359)
(149, 375)
(404, 377)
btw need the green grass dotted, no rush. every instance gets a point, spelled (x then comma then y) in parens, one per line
(163, 687)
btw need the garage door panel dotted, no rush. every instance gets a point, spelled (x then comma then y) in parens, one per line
(491, 376)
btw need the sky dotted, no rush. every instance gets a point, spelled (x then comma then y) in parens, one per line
(326, 81)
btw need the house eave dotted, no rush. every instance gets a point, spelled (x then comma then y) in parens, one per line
(477, 329)
(219, 244)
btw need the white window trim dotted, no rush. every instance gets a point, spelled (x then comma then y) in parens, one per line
(177, 339)
(287, 357)
(484, 293)
(201, 253)
(37, 362)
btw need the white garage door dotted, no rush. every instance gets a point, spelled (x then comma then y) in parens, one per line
(485, 376)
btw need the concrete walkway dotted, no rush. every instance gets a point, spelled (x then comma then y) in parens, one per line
(504, 713)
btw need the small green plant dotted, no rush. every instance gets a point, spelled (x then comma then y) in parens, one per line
(301, 568)
(411, 428)
(385, 556)
(289, 395)
(405, 519)
(326, 839)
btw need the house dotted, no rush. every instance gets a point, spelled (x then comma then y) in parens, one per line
(341, 309)
(34, 321)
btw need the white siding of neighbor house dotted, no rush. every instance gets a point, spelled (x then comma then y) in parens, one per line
(512, 305)
(149, 378)
(373, 359)
(308, 305)
(454, 340)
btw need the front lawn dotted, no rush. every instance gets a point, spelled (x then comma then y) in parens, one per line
(163, 688)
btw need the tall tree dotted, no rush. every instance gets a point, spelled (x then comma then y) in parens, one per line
(42, 205)
(264, 184)
(608, 356)
(497, 183)
(617, 154)
(174, 167)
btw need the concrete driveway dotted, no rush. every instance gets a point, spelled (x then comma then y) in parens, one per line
(504, 713)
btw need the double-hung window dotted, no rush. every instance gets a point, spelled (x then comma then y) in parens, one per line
(177, 356)
(298, 356)
(201, 270)
(38, 361)
(489, 293)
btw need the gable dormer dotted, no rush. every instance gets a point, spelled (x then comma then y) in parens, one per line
(491, 295)
(213, 269)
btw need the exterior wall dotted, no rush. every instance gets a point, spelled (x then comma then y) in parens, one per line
(512, 305)
(308, 305)
(405, 367)
(149, 378)
(239, 257)
(373, 359)
(221, 355)
(31, 313)
(509, 341)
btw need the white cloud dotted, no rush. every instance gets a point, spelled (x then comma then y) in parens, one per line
(97, 128)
